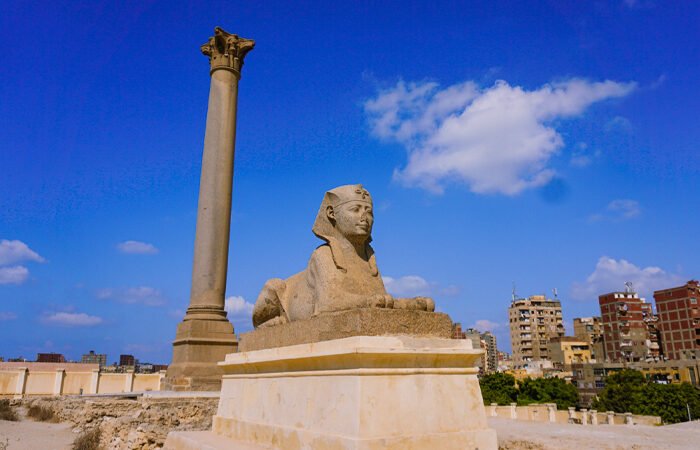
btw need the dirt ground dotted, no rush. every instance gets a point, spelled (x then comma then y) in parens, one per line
(522, 435)
(30, 435)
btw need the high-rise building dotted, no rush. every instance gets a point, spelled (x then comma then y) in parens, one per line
(625, 333)
(50, 357)
(474, 336)
(679, 320)
(127, 360)
(489, 341)
(94, 358)
(589, 329)
(533, 322)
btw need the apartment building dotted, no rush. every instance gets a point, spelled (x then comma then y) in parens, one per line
(533, 322)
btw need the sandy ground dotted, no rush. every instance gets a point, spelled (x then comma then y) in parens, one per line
(521, 435)
(30, 435)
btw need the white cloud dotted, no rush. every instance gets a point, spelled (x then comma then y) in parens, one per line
(143, 295)
(407, 286)
(485, 325)
(495, 140)
(618, 211)
(137, 248)
(619, 123)
(610, 275)
(71, 319)
(16, 251)
(13, 275)
(7, 316)
(238, 307)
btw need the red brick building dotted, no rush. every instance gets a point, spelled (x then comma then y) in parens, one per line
(625, 334)
(50, 358)
(679, 320)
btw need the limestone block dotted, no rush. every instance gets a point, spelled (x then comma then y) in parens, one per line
(343, 324)
(362, 392)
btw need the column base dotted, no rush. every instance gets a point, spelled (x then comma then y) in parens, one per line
(198, 346)
(359, 393)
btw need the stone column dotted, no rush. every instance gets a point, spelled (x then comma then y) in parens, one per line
(584, 416)
(205, 335)
(129, 381)
(594, 417)
(552, 411)
(494, 407)
(628, 419)
(94, 381)
(572, 415)
(513, 411)
(611, 417)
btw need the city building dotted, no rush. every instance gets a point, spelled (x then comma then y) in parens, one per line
(474, 336)
(127, 360)
(50, 358)
(679, 320)
(590, 378)
(567, 350)
(625, 333)
(94, 358)
(489, 341)
(533, 322)
(590, 330)
(457, 332)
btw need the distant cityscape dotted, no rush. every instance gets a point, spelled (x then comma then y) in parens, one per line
(664, 344)
(127, 363)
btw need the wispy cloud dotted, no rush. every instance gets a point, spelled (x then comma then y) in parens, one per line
(12, 252)
(407, 286)
(618, 210)
(619, 123)
(13, 275)
(143, 295)
(485, 325)
(71, 319)
(610, 275)
(494, 140)
(7, 316)
(137, 248)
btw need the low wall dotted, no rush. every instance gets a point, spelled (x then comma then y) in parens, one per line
(548, 412)
(37, 379)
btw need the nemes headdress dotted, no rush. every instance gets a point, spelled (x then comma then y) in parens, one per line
(324, 229)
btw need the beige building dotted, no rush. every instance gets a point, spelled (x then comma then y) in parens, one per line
(590, 329)
(567, 350)
(491, 355)
(533, 322)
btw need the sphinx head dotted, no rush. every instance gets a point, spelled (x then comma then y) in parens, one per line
(345, 211)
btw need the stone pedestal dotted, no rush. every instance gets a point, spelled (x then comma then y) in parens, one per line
(363, 392)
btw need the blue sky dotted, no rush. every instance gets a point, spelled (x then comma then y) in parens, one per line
(550, 144)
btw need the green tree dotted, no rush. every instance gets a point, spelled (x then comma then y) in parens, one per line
(498, 388)
(621, 392)
(628, 391)
(547, 390)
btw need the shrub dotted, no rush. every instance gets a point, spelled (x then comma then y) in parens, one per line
(88, 440)
(7, 412)
(42, 413)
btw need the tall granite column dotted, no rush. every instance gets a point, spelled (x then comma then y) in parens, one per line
(205, 335)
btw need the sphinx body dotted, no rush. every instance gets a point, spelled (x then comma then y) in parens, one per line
(341, 274)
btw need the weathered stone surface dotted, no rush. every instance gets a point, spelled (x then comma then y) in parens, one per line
(205, 335)
(132, 424)
(361, 393)
(355, 322)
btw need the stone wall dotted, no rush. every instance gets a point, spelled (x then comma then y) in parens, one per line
(547, 412)
(141, 423)
(40, 379)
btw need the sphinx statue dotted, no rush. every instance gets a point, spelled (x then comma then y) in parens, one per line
(341, 274)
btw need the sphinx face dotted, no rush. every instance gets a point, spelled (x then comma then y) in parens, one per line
(354, 219)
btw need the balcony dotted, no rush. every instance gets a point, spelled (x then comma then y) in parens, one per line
(625, 343)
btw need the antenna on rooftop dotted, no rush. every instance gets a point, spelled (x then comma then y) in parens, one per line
(556, 293)
(629, 287)
(513, 294)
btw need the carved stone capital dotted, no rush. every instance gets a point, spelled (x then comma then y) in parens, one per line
(226, 51)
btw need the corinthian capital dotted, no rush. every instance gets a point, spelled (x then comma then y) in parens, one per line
(226, 51)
